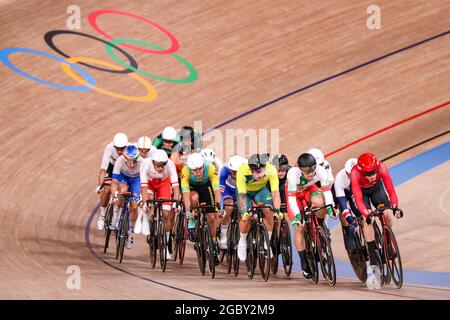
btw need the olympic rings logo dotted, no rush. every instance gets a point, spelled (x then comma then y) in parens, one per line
(70, 64)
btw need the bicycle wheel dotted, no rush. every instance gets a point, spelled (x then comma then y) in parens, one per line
(199, 249)
(234, 249)
(274, 244)
(393, 259)
(326, 256)
(162, 243)
(152, 240)
(123, 234)
(263, 248)
(230, 247)
(357, 258)
(286, 247)
(108, 219)
(175, 236)
(182, 237)
(385, 276)
(118, 235)
(310, 255)
(209, 250)
(250, 262)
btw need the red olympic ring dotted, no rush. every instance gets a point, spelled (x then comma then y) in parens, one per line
(92, 18)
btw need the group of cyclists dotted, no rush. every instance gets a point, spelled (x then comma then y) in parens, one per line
(156, 169)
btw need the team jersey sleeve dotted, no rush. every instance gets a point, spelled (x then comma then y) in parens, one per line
(213, 177)
(117, 167)
(357, 192)
(223, 178)
(184, 177)
(106, 156)
(144, 172)
(172, 170)
(273, 178)
(241, 184)
(387, 181)
(325, 184)
(339, 188)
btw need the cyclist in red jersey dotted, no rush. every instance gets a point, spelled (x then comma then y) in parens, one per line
(370, 180)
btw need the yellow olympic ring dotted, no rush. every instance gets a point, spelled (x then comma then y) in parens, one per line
(151, 92)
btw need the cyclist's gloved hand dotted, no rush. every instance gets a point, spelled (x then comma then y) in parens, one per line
(297, 221)
(398, 213)
(278, 214)
(116, 197)
(145, 207)
(332, 213)
(370, 218)
(188, 215)
(245, 216)
(98, 189)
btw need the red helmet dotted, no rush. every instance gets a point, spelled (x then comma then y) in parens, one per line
(368, 163)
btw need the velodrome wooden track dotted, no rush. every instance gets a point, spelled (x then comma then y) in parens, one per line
(247, 53)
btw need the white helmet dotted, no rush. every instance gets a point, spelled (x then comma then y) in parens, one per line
(169, 133)
(195, 161)
(349, 164)
(144, 143)
(235, 162)
(120, 140)
(208, 154)
(160, 156)
(318, 154)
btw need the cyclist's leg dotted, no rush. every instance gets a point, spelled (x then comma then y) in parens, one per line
(229, 198)
(316, 198)
(134, 186)
(244, 226)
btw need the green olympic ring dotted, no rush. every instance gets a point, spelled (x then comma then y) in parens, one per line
(193, 75)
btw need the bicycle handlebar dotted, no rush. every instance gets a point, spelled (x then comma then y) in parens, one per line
(379, 211)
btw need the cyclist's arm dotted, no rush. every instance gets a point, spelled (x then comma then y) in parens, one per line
(241, 189)
(174, 179)
(185, 188)
(116, 174)
(340, 184)
(144, 179)
(104, 165)
(223, 179)
(325, 184)
(387, 181)
(357, 193)
(214, 178)
(292, 178)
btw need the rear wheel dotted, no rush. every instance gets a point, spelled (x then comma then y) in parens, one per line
(108, 219)
(286, 247)
(274, 244)
(263, 248)
(357, 258)
(162, 244)
(392, 255)
(123, 235)
(152, 240)
(235, 257)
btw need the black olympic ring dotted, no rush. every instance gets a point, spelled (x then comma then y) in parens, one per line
(48, 37)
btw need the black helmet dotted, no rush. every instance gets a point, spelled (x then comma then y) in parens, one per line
(189, 134)
(258, 161)
(307, 160)
(280, 160)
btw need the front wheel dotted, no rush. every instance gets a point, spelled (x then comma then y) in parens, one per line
(152, 241)
(209, 250)
(263, 248)
(392, 256)
(326, 256)
(310, 255)
(286, 247)
(250, 262)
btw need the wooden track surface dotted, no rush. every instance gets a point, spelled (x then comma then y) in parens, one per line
(247, 53)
